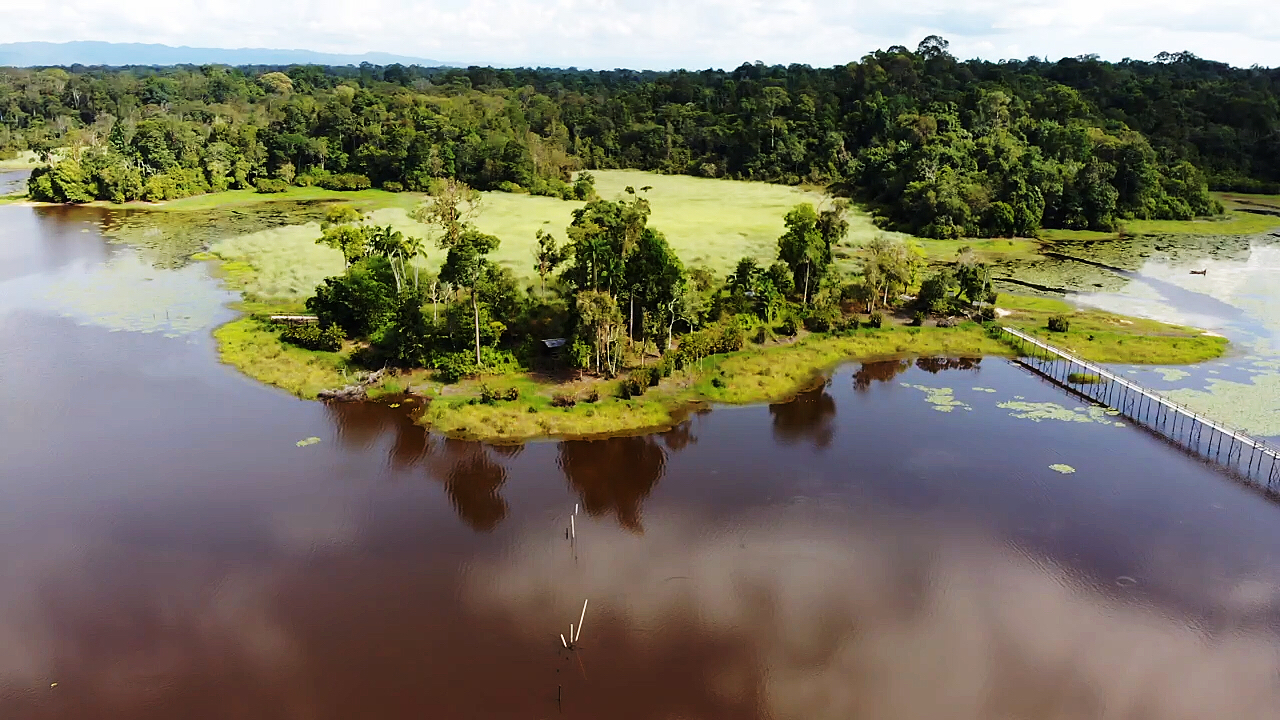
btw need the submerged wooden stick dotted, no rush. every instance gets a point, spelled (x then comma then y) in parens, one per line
(562, 641)
(580, 619)
(573, 530)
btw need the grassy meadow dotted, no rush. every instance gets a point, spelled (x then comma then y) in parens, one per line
(23, 160)
(708, 222)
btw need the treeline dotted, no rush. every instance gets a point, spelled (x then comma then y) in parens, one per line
(939, 147)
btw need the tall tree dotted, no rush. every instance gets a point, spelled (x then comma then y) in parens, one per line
(653, 273)
(451, 211)
(804, 248)
(465, 265)
(548, 256)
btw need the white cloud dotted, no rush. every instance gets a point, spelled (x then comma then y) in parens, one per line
(668, 33)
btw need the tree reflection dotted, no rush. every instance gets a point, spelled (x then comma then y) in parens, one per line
(472, 485)
(614, 476)
(680, 436)
(471, 476)
(361, 424)
(935, 365)
(882, 371)
(810, 416)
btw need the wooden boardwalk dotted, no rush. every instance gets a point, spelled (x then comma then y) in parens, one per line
(1251, 459)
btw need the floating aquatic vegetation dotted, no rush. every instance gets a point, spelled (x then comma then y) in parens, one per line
(1064, 469)
(308, 441)
(1253, 407)
(287, 263)
(1171, 374)
(169, 238)
(985, 390)
(941, 398)
(1039, 412)
(394, 405)
(125, 293)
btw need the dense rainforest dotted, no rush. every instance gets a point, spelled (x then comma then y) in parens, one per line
(936, 146)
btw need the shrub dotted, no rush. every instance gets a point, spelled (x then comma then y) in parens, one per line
(269, 185)
(731, 339)
(917, 319)
(489, 395)
(634, 385)
(1059, 323)
(563, 400)
(314, 337)
(821, 320)
(666, 365)
(987, 314)
(717, 382)
(876, 320)
(761, 336)
(790, 326)
(344, 181)
(393, 186)
(592, 396)
(454, 366)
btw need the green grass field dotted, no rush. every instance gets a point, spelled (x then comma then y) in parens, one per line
(1109, 338)
(708, 222)
(281, 264)
(24, 160)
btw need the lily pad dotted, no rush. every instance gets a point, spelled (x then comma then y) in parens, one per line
(1064, 469)
(941, 398)
(308, 441)
(1039, 412)
(1172, 374)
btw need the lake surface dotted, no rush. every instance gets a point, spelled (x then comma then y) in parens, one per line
(12, 181)
(893, 543)
(1150, 276)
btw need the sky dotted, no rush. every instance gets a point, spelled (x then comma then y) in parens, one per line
(664, 34)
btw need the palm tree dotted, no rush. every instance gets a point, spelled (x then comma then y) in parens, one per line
(412, 247)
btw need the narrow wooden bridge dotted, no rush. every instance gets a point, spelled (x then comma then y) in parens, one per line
(1251, 459)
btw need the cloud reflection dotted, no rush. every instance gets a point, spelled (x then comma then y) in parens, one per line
(876, 621)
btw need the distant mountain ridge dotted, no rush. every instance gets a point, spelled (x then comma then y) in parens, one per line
(35, 54)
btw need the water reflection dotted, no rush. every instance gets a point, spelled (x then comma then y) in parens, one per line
(935, 365)
(882, 617)
(883, 371)
(613, 476)
(810, 416)
(472, 485)
(680, 436)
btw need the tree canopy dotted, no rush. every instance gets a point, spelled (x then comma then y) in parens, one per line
(941, 147)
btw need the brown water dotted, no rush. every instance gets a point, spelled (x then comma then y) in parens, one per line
(170, 552)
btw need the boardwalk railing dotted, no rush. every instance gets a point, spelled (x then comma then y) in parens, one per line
(1252, 459)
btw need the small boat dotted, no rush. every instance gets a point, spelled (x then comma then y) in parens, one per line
(1200, 272)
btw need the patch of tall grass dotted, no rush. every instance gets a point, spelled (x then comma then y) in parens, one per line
(285, 263)
(254, 348)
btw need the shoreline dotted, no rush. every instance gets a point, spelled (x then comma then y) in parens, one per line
(757, 374)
